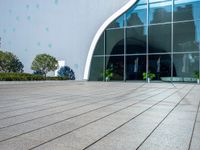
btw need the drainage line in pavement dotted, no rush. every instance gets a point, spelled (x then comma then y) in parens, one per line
(164, 118)
(128, 121)
(121, 96)
(81, 115)
(98, 120)
(194, 126)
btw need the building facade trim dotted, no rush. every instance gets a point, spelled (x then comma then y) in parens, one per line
(100, 32)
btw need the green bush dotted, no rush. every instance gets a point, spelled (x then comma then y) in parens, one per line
(25, 77)
(148, 75)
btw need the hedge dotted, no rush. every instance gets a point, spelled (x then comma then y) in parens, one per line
(26, 77)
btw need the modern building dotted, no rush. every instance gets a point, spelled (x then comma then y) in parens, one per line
(127, 37)
(156, 36)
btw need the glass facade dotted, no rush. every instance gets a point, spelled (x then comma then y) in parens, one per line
(153, 36)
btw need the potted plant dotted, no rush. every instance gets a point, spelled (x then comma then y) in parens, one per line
(148, 76)
(108, 74)
(196, 75)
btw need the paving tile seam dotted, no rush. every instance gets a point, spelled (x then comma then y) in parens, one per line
(139, 101)
(119, 96)
(80, 107)
(55, 98)
(194, 125)
(164, 119)
(95, 121)
(130, 120)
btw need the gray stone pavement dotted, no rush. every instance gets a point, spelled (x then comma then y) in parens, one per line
(73, 115)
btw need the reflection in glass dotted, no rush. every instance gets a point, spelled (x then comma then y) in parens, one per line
(118, 23)
(160, 38)
(136, 15)
(160, 12)
(136, 40)
(96, 69)
(135, 67)
(116, 64)
(186, 10)
(186, 36)
(160, 65)
(186, 64)
(99, 50)
(114, 41)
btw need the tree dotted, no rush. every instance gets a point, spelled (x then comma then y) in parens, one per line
(44, 63)
(66, 72)
(10, 63)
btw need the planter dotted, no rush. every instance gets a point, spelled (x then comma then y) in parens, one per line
(148, 80)
(198, 81)
(107, 79)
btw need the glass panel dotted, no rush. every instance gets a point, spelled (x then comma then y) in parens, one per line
(135, 67)
(160, 12)
(136, 40)
(116, 64)
(186, 36)
(186, 10)
(99, 50)
(96, 69)
(160, 38)
(137, 15)
(155, 1)
(160, 65)
(142, 1)
(185, 65)
(115, 41)
(118, 23)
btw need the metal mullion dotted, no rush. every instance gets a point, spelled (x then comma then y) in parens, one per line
(172, 41)
(104, 58)
(125, 24)
(147, 40)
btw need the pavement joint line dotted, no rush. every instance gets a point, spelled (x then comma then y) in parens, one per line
(194, 125)
(96, 120)
(55, 98)
(76, 108)
(62, 105)
(78, 116)
(33, 101)
(164, 118)
(130, 119)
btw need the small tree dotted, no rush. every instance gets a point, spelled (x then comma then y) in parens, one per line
(66, 72)
(10, 63)
(44, 63)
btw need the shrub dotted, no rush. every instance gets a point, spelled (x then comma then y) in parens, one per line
(148, 75)
(26, 77)
(66, 72)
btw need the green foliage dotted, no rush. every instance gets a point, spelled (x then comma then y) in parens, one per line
(10, 63)
(108, 74)
(196, 74)
(26, 77)
(148, 75)
(44, 63)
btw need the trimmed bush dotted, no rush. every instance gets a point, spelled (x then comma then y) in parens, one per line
(26, 77)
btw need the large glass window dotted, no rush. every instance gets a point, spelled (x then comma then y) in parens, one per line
(185, 65)
(97, 69)
(135, 67)
(162, 42)
(186, 36)
(118, 23)
(160, 65)
(114, 41)
(137, 15)
(116, 64)
(99, 50)
(160, 38)
(160, 12)
(186, 10)
(136, 40)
